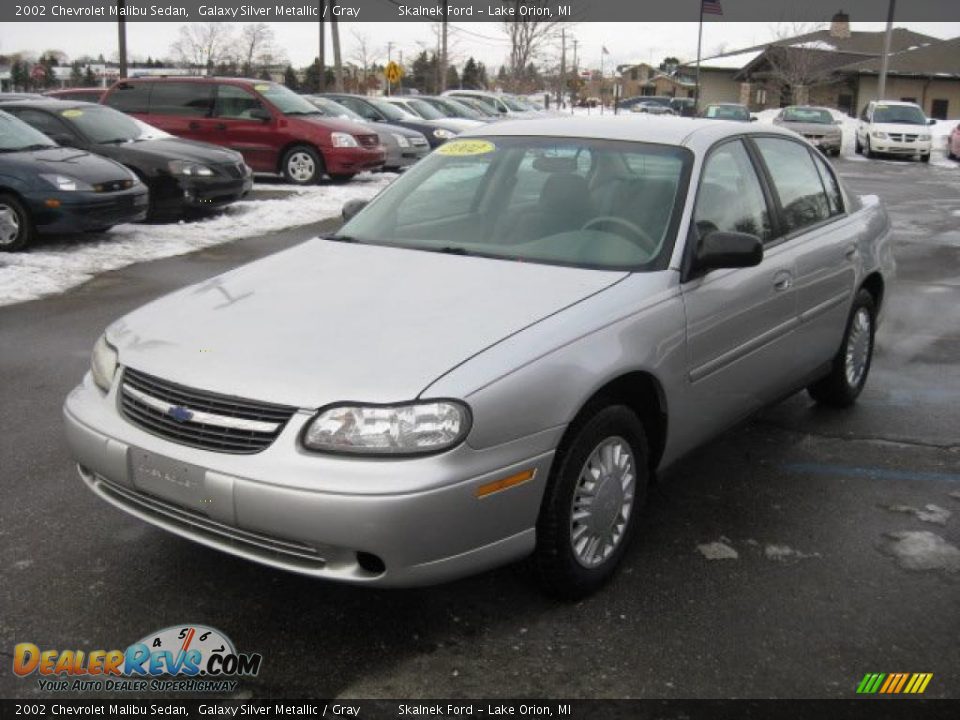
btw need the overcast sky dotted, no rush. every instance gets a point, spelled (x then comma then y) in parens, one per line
(627, 42)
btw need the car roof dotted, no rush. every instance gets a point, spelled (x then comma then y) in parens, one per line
(893, 102)
(195, 78)
(696, 133)
(53, 104)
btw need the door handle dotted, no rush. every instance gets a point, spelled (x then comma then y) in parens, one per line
(782, 281)
(220, 126)
(851, 252)
(194, 126)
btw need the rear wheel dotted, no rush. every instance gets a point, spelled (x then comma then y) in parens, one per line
(301, 165)
(589, 512)
(835, 152)
(857, 147)
(851, 364)
(867, 151)
(16, 228)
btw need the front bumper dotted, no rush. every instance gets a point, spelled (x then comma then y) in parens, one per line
(351, 160)
(900, 147)
(313, 514)
(177, 193)
(80, 211)
(826, 143)
(398, 158)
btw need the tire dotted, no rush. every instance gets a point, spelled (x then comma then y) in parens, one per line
(16, 225)
(835, 152)
(607, 437)
(341, 179)
(857, 147)
(301, 165)
(851, 364)
(925, 158)
(867, 152)
(99, 229)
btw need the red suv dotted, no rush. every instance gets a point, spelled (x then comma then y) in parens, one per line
(275, 129)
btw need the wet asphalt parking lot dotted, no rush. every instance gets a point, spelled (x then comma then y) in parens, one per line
(837, 531)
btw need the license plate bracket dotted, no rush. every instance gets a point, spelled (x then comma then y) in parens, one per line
(173, 480)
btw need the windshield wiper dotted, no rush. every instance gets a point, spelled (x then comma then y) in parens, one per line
(450, 250)
(27, 148)
(340, 238)
(303, 112)
(116, 141)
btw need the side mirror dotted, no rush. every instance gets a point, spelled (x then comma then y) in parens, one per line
(728, 250)
(351, 208)
(931, 121)
(261, 114)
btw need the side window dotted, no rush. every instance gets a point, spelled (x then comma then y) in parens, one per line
(730, 197)
(796, 181)
(361, 108)
(44, 122)
(834, 196)
(181, 98)
(451, 190)
(130, 97)
(235, 102)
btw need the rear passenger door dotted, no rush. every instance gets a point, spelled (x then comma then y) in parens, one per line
(740, 322)
(183, 109)
(822, 240)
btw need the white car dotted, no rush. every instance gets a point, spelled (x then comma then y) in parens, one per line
(419, 108)
(506, 106)
(897, 128)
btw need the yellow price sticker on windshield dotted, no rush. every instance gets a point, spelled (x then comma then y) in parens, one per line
(72, 113)
(262, 87)
(461, 148)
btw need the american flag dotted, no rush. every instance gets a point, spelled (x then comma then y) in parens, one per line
(712, 7)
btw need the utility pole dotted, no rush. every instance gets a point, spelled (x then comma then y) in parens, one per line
(400, 81)
(321, 59)
(885, 61)
(563, 68)
(122, 36)
(443, 46)
(389, 60)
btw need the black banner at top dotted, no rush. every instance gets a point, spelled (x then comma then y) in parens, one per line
(472, 10)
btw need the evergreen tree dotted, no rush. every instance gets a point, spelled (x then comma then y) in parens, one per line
(265, 74)
(76, 74)
(471, 75)
(89, 79)
(290, 79)
(453, 77)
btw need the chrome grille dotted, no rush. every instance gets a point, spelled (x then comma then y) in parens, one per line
(900, 137)
(198, 418)
(368, 140)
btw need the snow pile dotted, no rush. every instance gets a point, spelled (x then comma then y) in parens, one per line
(930, 513)
(782, 553)
(922, 550)
(52, 267)
(718, 550)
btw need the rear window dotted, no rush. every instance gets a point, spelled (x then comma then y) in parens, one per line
(192, 99)
(130, 97)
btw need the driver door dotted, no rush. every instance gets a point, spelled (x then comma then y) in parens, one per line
(239, 130)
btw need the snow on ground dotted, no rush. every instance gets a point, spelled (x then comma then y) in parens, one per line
(785, 554)
(922, 550)
(52, 267)
(718, 550)
(930, 513)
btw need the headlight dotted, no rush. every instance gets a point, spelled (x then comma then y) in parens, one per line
(103, 363)
(412, 429)
(341, 139)
(442, 134)
(401, 140)
(190, 169)
(67, 183)
(926, 136)
(879, 135)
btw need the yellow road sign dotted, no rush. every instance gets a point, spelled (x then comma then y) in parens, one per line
(394, 72)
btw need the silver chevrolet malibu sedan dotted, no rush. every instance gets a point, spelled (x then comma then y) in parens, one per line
(493, 358)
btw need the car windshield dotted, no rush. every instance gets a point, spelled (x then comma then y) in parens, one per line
(807, 115)
(513, 103)
(17, 135)
(105, 125)
(456, 108)
(900, 114)
(581, 202)
(425, 110)
(392, 112)
(285, 100)
(484, 108)
(328, 107)
(727, 112)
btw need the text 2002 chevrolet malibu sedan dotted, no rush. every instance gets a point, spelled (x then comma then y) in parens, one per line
(492, 358)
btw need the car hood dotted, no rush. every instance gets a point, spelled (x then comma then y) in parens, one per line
(67, 161)
(327, 321)
(460, 123)
(811, 128)
(898, 128)
(171, 149)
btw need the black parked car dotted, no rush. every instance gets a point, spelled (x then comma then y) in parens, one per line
(48, 188)
(181, 174)
(436, 131)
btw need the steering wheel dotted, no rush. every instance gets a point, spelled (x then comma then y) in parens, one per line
(639, 236)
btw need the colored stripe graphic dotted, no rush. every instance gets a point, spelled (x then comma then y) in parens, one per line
(894, 683)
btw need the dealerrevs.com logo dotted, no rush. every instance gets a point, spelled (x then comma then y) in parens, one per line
(187, 658)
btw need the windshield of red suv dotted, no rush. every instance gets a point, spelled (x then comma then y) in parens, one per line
(285, 100)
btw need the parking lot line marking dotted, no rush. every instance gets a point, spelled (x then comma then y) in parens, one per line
(869, 473)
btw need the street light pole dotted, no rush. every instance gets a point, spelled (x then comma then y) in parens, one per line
(122, 36)
(885, 61)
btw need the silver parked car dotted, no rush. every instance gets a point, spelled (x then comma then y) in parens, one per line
(493, 357)
(816, 124)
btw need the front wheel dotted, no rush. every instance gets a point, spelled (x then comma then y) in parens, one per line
(867, 150)
(851, 364)
(857, 147)
(16, 228)
(925, 158)
(589, 512)
(301, 165)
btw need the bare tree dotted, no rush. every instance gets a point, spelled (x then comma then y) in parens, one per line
(528, 37)
(256, 43)
(799, 59)
(203, 45)
(362, 55)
